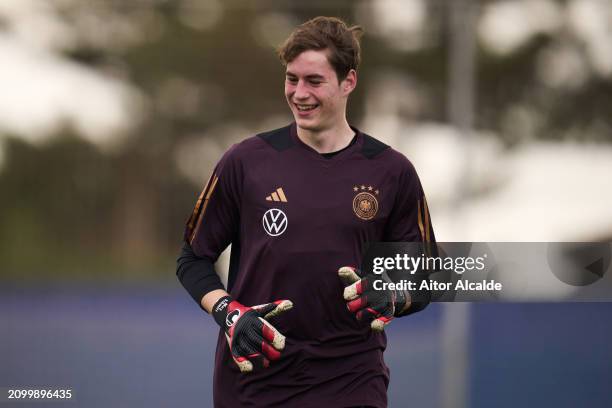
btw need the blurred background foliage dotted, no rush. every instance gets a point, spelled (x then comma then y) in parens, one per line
(195, 77)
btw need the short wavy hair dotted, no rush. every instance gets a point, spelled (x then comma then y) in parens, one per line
(326, 33)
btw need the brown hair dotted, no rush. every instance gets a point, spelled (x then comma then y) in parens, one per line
(325, 33)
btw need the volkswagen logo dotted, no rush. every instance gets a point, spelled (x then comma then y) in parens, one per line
(274, 222)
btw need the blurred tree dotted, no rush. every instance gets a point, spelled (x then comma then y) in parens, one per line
(68, 207)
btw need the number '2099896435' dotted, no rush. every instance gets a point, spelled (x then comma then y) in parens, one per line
(39, 394)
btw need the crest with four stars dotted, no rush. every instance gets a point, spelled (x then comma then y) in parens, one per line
(365, 204)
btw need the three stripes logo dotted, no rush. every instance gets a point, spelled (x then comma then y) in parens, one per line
(278, 195)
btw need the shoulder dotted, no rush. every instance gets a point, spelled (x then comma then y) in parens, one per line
(376, 150)
(373, 148)
(251, 147)
(398, 169)
(278, 139)
(268, 141)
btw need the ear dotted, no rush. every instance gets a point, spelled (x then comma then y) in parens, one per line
(349, 83)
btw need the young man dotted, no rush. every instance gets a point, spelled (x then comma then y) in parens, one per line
(297, 204)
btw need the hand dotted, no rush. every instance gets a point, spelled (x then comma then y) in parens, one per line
(379, 306)
(253, 342)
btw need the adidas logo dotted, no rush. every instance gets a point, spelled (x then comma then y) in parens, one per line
(278, 195)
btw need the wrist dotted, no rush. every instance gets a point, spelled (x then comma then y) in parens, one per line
(220, 310)
(211, 298)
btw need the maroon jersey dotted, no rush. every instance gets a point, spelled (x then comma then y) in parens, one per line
(293, 218)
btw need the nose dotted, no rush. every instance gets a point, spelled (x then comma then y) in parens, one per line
(301, 91)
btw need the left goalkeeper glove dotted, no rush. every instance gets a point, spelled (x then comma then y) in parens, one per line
(253, 342)
(379, 306)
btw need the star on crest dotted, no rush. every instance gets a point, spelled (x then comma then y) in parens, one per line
(363, 187)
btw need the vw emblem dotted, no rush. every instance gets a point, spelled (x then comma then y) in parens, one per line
(274, 222)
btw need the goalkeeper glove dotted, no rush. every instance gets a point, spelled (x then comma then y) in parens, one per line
(379, 306)
(253, 342)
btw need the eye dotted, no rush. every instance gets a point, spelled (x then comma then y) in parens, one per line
(292, 80)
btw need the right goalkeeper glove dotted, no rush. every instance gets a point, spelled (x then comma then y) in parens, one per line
(253, 342)
(377, 306)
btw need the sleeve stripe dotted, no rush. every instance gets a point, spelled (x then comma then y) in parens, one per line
(212, 188)
(430, 247)
(420, 220)
(194, 215)
(198, 206)
(200, 209)
(423, 215)
(426, 210)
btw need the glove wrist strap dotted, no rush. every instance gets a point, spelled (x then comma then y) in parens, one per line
(220, 309)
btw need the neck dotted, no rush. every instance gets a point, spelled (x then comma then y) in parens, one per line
(328, 140)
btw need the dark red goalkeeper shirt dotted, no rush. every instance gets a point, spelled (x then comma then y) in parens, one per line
(293, 218)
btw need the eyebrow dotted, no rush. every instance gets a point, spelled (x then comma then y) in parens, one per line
(311, 76)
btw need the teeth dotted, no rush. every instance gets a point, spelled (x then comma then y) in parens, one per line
(305, 107)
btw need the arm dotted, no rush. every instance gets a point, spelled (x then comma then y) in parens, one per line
(197, 275)
(213, 225)
(410, 222)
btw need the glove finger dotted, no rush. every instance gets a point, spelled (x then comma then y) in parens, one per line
(357, 304)
(257, 343)
(367, 314)
(242, 362)
(252, 361)
(248, 352)
(273, 309)
(380, 302)
(348, 275)
(269, 351)
(264, 309)
(355, 289)
(380, 322)
(371, 312)
(259, 361)
(272, 335)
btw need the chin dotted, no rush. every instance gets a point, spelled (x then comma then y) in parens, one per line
(307, 124)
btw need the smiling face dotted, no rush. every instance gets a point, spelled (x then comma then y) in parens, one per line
(315, 96)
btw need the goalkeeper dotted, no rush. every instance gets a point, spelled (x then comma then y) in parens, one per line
(297, 203)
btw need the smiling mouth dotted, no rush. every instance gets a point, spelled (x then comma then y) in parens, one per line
(305, 108)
